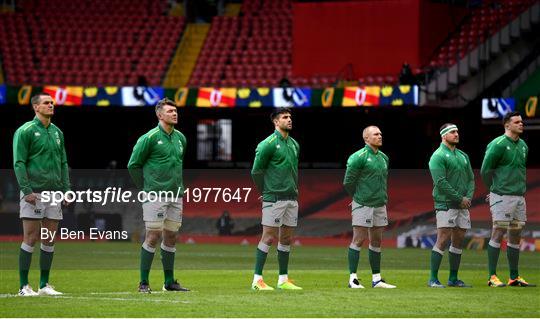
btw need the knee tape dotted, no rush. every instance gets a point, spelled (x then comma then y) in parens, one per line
(154, 225)
(171, 225)
(516, 224)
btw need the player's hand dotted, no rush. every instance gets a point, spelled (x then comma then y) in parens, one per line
(31, 198)
(260, 198)
(350, 204)
(487, 198)
(465, 202)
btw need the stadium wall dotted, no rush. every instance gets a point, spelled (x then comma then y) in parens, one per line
(376, 37)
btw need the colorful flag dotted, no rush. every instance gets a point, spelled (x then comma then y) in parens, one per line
(361, 96)
(222, 97)
(497, 108)
(399, 95)
(65, 95)
(291, 97)
(106, 96)
(3, 97)
(141, 95)
(327, 97)
(258, 97)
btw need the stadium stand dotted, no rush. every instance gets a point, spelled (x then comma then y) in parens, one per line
(251, 50)
(114, 49)
(483, 22)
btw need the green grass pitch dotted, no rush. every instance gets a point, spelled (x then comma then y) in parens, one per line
(99, 279)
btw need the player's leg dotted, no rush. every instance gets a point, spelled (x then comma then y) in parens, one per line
(153, 216)
(171, 226)
(272, 219)
(31, 234)
(269, 235)
(46, 258)
(454, 257)
(374, 254)
(380, 220)
(437, 253)
(514, 240)
(360, 234)
(286, 232)
(500, 208)
(462, 223)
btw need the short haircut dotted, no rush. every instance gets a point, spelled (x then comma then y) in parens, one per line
(509, 116)
(278, 111)
(163, 102)
(445, 125)
(366, 131)
(36, 99)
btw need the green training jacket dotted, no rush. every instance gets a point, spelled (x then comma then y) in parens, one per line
(366, 177)
(453, 177)
(39, 158)
(157, 160)
(504, 170)
(275, 168)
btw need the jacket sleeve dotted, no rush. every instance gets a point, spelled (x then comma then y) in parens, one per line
(21, 144)
(355, 163)
(66, 185)
(140, 154)
(184, 144)
(263, 155)
(470, 182)
(438, 174)
(491, 159)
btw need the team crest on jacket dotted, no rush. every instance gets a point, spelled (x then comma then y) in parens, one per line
(37, 134)
(160, 142)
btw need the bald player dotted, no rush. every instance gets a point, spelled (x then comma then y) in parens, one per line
(366, 181)
(453, 188)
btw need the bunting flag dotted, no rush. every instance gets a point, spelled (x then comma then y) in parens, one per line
(3, 97)
(290, 97)
(141, 95)
(254, 97)
(497, 108)
(327, 97)
(361, 96)
(65, 95)
(222, 97)
(110, 95)
(399, 95)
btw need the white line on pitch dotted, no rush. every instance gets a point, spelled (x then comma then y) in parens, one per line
(121, 299)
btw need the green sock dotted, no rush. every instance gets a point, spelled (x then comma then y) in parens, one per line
(167, 259)
(260, 258)
(25, 258)
(454, 260)
(354, 257)
(513, 259)
(283, 252)
(147, 256)
(436, 258)
(375, 259)
(45, 262)
(493, 257)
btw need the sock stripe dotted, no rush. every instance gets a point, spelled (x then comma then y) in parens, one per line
(148, 248)
(284, 248)
(49, 249)
(354, 247)
(515, 246)
(375, 249)
(494, 244)
(455, 250)
(27, 248)
(263, 247)
(167, 248)
(437, 250)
